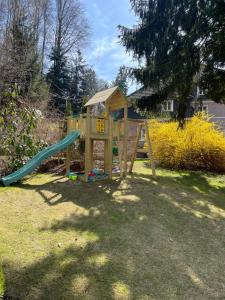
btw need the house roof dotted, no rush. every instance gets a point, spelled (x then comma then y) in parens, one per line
(142, 92)
(102, 96)
(132, 114)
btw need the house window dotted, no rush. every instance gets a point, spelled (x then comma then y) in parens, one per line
(201, 92)
(203, 108)
(167, 106)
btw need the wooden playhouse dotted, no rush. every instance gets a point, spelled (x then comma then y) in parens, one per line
(100, 123)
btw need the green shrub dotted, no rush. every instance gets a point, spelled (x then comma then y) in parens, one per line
(17, 123)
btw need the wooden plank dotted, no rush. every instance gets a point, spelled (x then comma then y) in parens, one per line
(99, 136)
(151, 155)
(135, 147)
(87, 145)
(68, 159)
(68, 150)
(120, 151)
(117, 100)
(91, 164)
(125, 139)
(103, 96)
(110, 142)
(142, 150)
(106, 144)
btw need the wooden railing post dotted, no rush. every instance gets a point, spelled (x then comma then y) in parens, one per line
(150, 151)
(135, 147)
(125, 139)
(88, 144)
(68, 150)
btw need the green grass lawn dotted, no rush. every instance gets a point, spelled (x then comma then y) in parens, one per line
(138, 238)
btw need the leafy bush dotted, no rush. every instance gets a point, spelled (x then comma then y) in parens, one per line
(2, 283)
(17, 123)
(199, 146)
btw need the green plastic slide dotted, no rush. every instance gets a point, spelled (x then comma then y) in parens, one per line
(32, 164)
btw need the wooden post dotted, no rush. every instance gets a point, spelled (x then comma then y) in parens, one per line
(110, 142)
(120, 151)
(68, 150)
(151, 155)
(91, 164)
(106, 151)
(88, 144)
(125, 139)
(135, 147)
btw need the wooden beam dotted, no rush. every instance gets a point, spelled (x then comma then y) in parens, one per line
(120, 150)
(68, 150)
(135, 147)
(87, 145)
(110, 142)
(68, 159)
(150, 151)
(125, 139)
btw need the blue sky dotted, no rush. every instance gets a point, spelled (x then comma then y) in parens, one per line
(104, 53)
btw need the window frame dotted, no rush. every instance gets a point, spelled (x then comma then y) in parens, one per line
(201, 91)
(201, 108)
(167, 108)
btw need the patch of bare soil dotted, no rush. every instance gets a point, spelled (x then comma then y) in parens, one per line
(3, 167)
(57, 166)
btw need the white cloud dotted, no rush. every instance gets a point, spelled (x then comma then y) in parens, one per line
(106, 56)
(109, 50)
(103, 47)
(96, 10)
(121, 57)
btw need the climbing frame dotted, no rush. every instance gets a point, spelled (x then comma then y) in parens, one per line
(101, 128)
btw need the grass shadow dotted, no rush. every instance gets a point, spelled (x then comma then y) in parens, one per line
(139, 238)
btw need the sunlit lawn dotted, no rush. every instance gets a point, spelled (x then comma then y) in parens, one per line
(138, 238)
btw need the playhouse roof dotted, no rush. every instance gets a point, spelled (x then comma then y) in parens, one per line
(105, 95)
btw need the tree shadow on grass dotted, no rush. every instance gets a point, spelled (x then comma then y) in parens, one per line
(155, 239)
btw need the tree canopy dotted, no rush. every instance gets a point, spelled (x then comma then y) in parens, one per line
(179, 43)
(121, 79)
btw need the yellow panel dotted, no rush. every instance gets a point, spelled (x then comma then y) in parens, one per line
(100, 125)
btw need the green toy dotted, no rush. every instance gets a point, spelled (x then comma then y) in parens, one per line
(72, 176)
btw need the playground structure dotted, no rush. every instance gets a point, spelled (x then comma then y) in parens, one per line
(147, 149)
(107, 119)
(107, 127)
(102, 128)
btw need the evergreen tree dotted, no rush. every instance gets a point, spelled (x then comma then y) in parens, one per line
(121, 79)
(22, 66)
(59, 80)
(213, 53)
(102, 85)
(77, 86)
(83, 83)
(71, 31)
(90, 82)
(173, 38)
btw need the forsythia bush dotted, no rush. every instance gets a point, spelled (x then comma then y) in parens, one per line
(199, 146)
(2, 283)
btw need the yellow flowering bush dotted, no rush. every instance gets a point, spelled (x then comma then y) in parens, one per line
(2, 283)
(198, 146)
